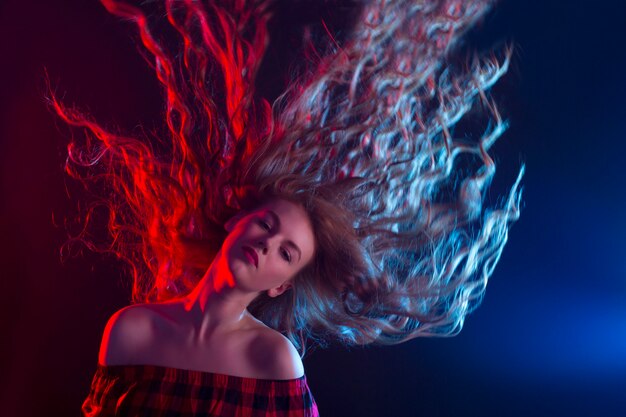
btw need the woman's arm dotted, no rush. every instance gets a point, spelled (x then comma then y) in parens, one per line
(127, 333)
(274, 356)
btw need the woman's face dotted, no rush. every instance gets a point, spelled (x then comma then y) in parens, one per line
(267, 247)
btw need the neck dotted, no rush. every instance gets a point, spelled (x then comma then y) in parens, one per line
(216, 305)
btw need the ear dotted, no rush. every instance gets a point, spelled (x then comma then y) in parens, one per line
(275, 292)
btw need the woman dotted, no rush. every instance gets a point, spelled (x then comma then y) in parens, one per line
(210, 330)
(348, 211)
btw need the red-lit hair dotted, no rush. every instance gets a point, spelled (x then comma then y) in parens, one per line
(363, 140)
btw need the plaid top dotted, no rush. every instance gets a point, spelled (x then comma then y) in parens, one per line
(150, 390)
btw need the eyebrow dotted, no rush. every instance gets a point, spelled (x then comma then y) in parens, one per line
(289, 242)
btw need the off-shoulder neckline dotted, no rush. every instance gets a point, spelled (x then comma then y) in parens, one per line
(192, 372)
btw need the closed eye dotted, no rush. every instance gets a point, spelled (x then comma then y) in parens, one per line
(264, 225)
(287, 256)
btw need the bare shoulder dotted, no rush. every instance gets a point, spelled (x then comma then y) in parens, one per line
(128, 331)
(275, 356)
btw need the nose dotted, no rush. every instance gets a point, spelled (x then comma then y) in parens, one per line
(263, 247)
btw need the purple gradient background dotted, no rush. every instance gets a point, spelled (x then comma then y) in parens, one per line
(550, 337)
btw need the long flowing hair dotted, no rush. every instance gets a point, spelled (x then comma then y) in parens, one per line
(363, 137)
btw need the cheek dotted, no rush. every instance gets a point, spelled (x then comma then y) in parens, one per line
(278, 271)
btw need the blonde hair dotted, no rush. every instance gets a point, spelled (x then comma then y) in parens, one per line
(363, 139)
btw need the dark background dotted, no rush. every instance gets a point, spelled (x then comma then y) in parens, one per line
(550, 337)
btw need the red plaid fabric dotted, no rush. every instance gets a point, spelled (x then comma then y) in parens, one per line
(150, 390)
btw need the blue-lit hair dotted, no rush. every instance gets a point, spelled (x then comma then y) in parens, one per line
(364, 139)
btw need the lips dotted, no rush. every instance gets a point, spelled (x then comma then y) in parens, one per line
(252, 253)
